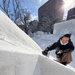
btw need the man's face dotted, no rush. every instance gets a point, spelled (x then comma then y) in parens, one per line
(65, 40)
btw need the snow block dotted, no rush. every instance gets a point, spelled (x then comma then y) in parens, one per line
(65, 27)
(13, 63)
(17, 63)
(49, 67)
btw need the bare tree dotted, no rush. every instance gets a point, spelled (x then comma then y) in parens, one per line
(5, 6)
(24, 17)
(14, 10)
(33, 26)
(11, 8)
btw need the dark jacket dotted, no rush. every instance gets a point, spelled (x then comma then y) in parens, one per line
(65, 48)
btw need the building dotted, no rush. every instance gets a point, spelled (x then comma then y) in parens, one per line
(71, 14)
(49, 13)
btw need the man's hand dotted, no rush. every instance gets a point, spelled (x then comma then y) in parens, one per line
(45, 52)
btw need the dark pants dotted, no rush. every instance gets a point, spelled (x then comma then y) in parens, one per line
(65, 59)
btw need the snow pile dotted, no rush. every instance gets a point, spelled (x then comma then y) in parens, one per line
(45, 36)
(20, 55)
(65, 27)
(44, 39)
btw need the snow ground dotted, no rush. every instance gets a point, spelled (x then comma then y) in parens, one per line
(20, 55)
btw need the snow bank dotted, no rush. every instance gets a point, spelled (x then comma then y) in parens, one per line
(45, 36)
(44, 39)
(20, 55)
(65, 27)
(9, 32)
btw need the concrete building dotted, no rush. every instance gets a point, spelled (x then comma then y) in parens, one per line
(49, 13)
(71, 14)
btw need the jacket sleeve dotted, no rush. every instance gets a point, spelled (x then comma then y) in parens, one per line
(52, 47)
(70, 49)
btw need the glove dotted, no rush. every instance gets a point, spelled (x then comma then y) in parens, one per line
(59, 53)
(45, 52)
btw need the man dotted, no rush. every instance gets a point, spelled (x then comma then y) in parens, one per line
(64, 48)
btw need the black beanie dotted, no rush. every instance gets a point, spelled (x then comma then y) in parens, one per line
(67, 35)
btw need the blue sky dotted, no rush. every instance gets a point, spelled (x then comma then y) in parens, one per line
(32, 6)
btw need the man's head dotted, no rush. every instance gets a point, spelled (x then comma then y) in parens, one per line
(65, 39)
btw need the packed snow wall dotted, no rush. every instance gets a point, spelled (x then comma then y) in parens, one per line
(11, 33)
(14, 63)
(65, 27)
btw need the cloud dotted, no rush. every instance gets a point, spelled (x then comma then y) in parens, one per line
(42, 1)
(33, 17)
